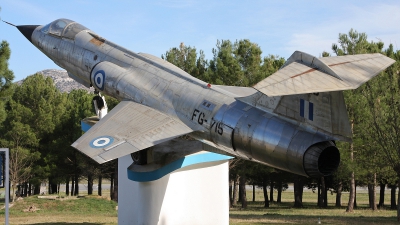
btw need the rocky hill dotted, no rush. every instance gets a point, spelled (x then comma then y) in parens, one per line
(61, 80)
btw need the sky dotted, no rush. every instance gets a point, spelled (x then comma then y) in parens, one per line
(154, 27)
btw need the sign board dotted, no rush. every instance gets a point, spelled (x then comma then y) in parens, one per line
(5, 179)
(2, 168)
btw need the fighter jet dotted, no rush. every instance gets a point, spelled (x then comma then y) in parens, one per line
(289, 121)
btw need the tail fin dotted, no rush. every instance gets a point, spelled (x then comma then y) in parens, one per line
(303, 73)
(309, 89)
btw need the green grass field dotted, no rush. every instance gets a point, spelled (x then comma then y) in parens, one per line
(284, 213)
(82, 210)
(93, 210)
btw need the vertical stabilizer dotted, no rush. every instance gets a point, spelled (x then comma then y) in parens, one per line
(325, 111)
(308, 89)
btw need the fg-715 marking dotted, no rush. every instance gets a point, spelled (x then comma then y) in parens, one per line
(218, 127)
(214, 126)
(247, 122)
(199, 115)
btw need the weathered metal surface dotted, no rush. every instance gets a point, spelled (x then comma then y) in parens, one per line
(303, 73)
(129, 128)
(285, 123)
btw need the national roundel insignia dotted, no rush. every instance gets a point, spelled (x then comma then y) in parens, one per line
(99, 78)
(101, 142)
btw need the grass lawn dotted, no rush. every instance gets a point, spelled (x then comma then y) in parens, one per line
(283, 213)
(93, 210)
(82, 210)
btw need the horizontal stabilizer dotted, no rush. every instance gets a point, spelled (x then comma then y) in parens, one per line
(128, 128)
(303, 73)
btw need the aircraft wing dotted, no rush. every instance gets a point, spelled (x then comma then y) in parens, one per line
(128, 128)
(303, 73)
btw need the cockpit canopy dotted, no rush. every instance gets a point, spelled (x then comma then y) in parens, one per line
(63, 28)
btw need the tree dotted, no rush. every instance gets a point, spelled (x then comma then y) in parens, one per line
(341, 175)
(234, 180)
(75, 164)
(248, 55)
(20, 137)
(6, 77)
(261, 175)
(79, 106)
(282, 179)
(37, 106)
(355, 43)
(298, 185)
(185, 57)
(384, 104)
(224, 68)
(385, 177)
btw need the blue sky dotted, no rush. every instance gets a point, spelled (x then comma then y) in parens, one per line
(278, 27)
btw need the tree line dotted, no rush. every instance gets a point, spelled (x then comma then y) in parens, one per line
(371, 160)
(38, 123)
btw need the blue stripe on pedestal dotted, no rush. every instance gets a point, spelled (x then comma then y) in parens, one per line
(180, 163)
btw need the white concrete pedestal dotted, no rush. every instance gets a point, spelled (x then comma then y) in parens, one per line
(194, 194)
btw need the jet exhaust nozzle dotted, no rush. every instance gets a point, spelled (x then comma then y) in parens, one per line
(27, 30)
(321, 159)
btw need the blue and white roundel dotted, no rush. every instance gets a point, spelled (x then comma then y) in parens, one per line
(99, 78)
(101, 142)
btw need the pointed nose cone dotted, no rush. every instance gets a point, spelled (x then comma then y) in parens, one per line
(27, 31)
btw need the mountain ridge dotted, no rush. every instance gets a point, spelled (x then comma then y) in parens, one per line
(61, 80)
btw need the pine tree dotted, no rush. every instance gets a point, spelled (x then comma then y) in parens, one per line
(6, 78)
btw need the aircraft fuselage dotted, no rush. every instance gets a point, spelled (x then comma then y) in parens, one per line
(216, 115)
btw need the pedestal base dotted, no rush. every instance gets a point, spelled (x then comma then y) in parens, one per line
(196, 194)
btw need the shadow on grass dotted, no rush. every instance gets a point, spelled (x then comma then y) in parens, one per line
(279, 213)
(310, 219)
(259, 206)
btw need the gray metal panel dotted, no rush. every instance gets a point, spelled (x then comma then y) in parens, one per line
(136, 124)
(221, 128)
(116, 152)
(66, 48)
(82, 39)
(272, 133)
(338, 73)
(233, 114)
(310, 61)
(329, 113)
(340, 118)
(261, 101)
(240, 138)
(299, 144)
(165, 63)
(258, 148)
(279, 156)
(238, 91)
